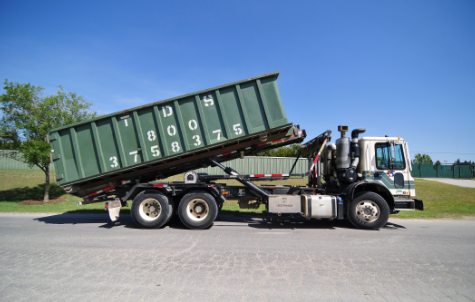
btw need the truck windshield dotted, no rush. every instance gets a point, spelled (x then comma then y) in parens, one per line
(386, 159)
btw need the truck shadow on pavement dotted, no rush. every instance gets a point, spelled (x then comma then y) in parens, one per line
(267, 221)
(76, 217)
(224, 219)
(81, 218)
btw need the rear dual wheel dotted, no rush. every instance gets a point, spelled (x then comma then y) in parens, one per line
(151, 210)
(198, 210)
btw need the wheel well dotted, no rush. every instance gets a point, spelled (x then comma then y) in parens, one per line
(376, 188)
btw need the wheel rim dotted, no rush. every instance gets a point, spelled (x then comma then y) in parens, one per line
(150, 209)
(197, 209)
(368, 211)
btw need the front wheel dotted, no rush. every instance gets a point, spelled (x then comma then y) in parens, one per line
(368, 211)
(198, 210)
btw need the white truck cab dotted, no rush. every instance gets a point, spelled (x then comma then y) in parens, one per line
(387, 160)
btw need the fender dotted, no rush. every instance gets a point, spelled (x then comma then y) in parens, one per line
(355, 188)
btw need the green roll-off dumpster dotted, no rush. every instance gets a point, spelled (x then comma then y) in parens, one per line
(170, 136)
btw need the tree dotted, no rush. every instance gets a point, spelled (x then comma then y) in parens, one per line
(437, 165)
(27, 116)
(423, 159)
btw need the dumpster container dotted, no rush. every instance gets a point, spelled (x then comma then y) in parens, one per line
(170, 136)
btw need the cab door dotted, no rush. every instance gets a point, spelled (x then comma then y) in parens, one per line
(390, 160)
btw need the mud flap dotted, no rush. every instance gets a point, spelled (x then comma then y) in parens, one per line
(418, 204)
(113, 207)
(408, 204)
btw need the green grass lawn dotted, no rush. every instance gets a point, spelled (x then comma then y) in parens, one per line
(10, 179)
(66, 203)
(440, 200)
(19, 189)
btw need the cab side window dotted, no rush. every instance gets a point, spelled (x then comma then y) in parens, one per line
(390, 157)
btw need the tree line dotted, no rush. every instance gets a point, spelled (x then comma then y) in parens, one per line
(425, 159)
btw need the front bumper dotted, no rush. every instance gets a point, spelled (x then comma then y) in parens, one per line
(408, 204)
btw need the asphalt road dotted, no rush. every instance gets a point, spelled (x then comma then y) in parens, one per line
(82, 258)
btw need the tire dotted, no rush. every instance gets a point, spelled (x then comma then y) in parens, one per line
(151, 210)
(368, 211)
(197, 210)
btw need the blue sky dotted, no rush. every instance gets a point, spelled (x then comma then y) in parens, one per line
(403, 68)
